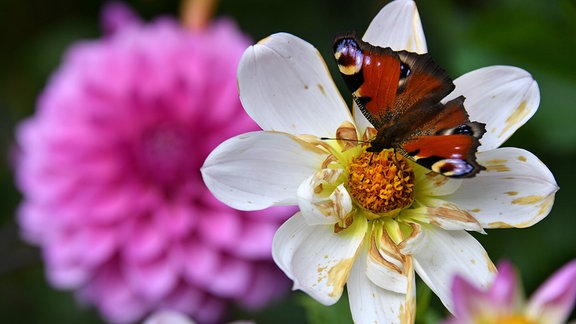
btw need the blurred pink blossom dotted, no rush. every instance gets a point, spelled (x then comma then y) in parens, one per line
(109, 171)
(504, 301)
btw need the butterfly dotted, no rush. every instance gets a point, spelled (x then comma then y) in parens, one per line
(399, 92)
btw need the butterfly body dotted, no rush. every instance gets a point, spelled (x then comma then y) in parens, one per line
(400, 94)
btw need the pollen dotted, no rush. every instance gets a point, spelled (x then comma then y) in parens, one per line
(381, 182)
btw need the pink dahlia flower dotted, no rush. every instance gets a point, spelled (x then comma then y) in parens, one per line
(504, 301)
(109, 170)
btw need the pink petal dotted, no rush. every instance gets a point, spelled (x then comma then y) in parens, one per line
(503, 296)
(112, 203)
(70, 246)
(184, 298)
(554, 300)
(220, 228)
(212, 310)
(143, 240)
(267, 283)
(115, 300)
(232, 278)
(505, 292)
(152, 279)
(465, 297)
(200, 262)
(34, 224)
(67, 275)
(255, 239)
(115, 16)
(177, 221)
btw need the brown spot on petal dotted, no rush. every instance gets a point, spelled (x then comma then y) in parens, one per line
(522, 158)
(326, 207)
(491, 266)
(329, 160)
(475, 210)
(500, 225)
(517, 116)
(369, 134)
(451, 214)
(263, 40)
(337, 276)
(415, 231)
(310, 143)
(347, 136)
(498, 165)
(390, 249)
(408, 311)
(321, 88)
(528, 200)
(511, 193)
(344, 223)
(436, 178)
(546, 206)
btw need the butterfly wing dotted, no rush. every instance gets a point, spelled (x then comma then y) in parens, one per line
(451, 142)
(390, 86)
(400, 93)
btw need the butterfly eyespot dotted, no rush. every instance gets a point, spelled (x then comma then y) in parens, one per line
(404, 71)
(452, 167)
(348, 55)
(463, 130)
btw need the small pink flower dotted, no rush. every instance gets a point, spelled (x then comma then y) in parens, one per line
(504, 301)
(109, 170)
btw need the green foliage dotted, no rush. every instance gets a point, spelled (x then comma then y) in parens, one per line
(317, 313)
(427, 305)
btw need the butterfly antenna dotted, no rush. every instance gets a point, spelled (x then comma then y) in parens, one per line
(343, 139)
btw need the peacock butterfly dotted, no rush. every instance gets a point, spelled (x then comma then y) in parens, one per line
(399, 92)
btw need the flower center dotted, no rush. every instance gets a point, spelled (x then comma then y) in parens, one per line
(508, 319)
(164, 154)
(382, 183)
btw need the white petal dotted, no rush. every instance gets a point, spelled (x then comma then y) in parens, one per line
(317, 208)
(361, 121)
(370, 303)
(438, 255)
(397, 26)
(260, 169)
(168, 317)
(315, 258)
(502, 97)
(432, 184)
(444, 214)
(387, 272)
(516, 190)
(285, 86)
(386, 277)
(287, 240)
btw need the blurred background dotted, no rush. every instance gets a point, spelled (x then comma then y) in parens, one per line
(538, 36)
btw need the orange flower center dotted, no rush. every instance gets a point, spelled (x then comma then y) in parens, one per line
(381, 182)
